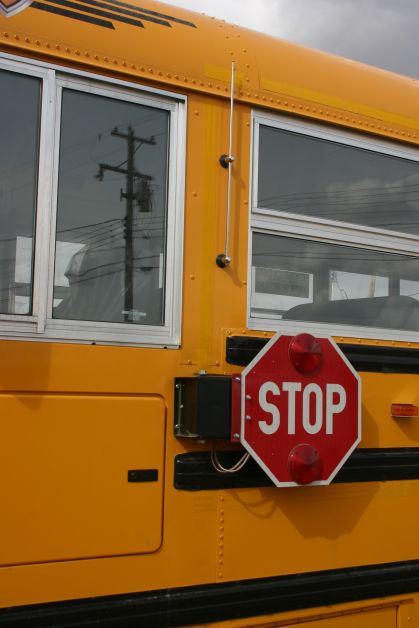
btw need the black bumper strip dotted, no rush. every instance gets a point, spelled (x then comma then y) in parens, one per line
(194, 471)
(217, 602)
(240, 350)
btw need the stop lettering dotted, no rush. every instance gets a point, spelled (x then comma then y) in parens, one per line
(313, 421)
(300, 409)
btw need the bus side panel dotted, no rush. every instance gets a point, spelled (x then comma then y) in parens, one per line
(81, 476)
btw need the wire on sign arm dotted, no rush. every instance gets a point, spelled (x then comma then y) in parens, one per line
(221, 469)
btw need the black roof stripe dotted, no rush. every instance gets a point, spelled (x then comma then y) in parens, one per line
(149, 12)
(71, 14)
(99, 12)
(123, 11)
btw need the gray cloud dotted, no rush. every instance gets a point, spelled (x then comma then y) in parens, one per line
(379, 32)
(383, 33)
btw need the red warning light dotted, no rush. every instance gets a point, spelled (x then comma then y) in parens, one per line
(305, 353)
(304, 464)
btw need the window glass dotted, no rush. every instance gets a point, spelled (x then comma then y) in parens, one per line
(303, 280)
(19, 130)
(112, 208)
(320, 178)
(347, 285)
(410, 288)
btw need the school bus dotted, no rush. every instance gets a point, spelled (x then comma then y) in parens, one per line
(174, 190)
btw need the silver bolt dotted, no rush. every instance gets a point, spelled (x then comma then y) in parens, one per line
(248, 397)
(236, 435)
(248, 417)
(237, 379)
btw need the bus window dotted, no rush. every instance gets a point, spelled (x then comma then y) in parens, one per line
(19, 122)
(335, 226)
(320, 178)
(112, 207)
(91, 208)
(351, 286)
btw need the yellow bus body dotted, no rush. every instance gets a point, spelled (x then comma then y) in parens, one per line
(75, 416)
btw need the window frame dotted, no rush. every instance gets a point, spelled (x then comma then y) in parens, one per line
(303, 227)
(41, 325)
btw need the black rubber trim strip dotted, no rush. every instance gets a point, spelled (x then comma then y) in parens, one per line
(241, 350)
(194, 471)
(227, 601)
(72, 14)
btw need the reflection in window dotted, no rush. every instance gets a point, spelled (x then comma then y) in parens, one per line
(410, 288)
(344, 285)
(112, 207)
(316, 177)
(329, 283)
(276, 290)
(19, 130)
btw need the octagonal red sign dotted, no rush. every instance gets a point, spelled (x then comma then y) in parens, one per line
(300, 409)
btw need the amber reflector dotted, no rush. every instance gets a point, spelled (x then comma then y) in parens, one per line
(404, 410)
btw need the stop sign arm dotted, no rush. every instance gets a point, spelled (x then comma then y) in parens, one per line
(236, 409)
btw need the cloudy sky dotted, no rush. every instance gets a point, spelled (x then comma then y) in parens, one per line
(384, 33)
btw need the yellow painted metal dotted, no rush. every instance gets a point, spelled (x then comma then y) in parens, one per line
(270, 72)
(339, 526)
(384, 618)
(392, 612)
(64, 467)
(74, 418)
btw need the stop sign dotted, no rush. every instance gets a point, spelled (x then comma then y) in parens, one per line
(300, 409)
